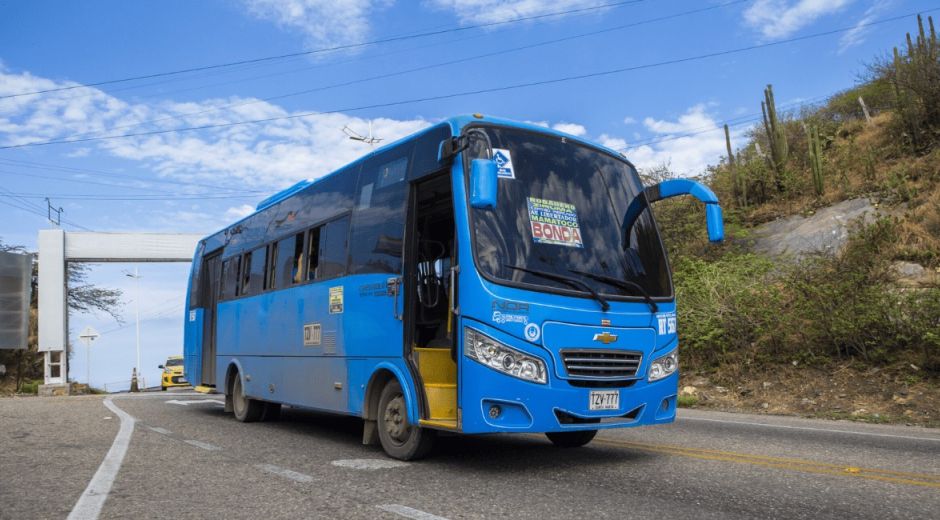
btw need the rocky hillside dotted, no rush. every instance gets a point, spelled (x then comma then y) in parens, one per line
(825, 299)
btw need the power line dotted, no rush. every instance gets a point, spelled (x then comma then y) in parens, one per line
(128, 197)
(503, 88)
(425, 67)
(331, 49)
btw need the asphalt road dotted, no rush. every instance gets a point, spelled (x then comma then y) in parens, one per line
(185, 458)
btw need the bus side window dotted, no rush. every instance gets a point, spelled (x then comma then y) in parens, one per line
(244, 276)
(333, 250)
(290, 260)
(379, 219)
(229, 277)
(255, 266)
(313, 252)
(270, 266)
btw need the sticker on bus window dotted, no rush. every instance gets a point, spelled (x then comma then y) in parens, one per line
(503, 160)
(336, 300)
(554, 222)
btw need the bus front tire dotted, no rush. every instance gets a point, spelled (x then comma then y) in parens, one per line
(571, 439)
(245, 408)
(400, 439)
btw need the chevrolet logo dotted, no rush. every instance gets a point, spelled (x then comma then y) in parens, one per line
(605, 338)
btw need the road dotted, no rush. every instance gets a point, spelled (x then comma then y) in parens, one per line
(184, 458)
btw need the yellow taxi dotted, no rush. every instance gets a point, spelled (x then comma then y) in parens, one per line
(172, 373)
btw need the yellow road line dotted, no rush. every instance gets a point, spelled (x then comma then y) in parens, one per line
(806, 466)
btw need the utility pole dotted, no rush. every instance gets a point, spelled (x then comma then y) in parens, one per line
(136, 277)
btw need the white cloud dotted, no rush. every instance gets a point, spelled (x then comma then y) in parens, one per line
(858, 33)
(239, 212)
(489, 11)
(688, 145)
(323, 22)
(629, 120)
(614, 143)
(267, 155)
(570, 128)
(781, 18)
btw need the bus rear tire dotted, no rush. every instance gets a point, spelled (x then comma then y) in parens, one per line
(400, 439)
(245, 408)
(571, 439)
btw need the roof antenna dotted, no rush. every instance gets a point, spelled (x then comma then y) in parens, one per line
(50, 210)
(370, 140)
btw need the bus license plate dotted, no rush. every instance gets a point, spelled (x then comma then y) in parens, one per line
(605, 400)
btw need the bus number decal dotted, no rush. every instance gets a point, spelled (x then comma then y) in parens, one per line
(667, 323)
(336, 300)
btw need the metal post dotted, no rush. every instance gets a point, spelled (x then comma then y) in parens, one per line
(137, 313)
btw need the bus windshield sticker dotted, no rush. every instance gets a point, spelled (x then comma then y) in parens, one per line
(336, 300)
(554, 222)
(503, 160)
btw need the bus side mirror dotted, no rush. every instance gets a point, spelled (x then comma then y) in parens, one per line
(160, 367)
(484, 182)
(714, 220)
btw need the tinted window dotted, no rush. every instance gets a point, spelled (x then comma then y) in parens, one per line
(230, 277)
(427, 148)
(313, 252)
(379, 217)
(333, 249)
(563, 214)
(254, 261)
(290, 260)
(270, 270)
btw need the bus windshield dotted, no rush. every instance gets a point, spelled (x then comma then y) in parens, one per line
(560, 212)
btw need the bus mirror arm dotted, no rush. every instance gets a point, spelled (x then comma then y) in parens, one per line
(714, 220)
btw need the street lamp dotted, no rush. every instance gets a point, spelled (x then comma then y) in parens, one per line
(136, 277)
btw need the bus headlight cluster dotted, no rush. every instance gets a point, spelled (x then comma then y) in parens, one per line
(664, 366)
(499, 357)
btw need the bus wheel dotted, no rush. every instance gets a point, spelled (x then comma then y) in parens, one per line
(571, 439)
(399, 439)
(246, 410)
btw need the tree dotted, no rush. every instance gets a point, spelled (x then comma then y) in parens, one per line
(82, 297)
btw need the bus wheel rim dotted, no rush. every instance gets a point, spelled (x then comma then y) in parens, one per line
(395, 420)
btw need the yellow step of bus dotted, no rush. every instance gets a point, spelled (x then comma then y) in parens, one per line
(439, 373)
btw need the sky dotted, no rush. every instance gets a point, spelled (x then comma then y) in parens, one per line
(659, 79)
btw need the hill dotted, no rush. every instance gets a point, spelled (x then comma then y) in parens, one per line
(851, 330)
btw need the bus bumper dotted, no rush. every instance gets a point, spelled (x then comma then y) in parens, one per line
(496, 402)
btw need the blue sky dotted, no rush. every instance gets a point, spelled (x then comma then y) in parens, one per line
(197, 181)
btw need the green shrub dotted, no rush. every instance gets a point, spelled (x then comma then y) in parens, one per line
(30, 387)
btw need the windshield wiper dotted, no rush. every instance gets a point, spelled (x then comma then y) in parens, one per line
(570, 282)
(623, 284)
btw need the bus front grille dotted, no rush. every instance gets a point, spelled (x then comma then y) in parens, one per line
(604, 364)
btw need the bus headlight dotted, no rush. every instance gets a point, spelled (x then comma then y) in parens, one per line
(664, 366)
(499, 357)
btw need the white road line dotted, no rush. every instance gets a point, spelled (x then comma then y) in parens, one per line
(92, 500)
(283, 472)
(195, 401)
(204, 445)
(369, 464)
(162, 431)
(409, 512)
(808, 428)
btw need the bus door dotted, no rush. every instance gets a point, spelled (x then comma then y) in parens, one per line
(210, 280)
(429, 320)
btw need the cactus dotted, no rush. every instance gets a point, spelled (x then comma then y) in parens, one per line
(738, 185)
(815, 160)
(776, 137)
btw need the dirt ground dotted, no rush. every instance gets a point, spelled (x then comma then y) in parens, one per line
(902, 394)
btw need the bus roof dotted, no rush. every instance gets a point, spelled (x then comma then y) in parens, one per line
(456, 123)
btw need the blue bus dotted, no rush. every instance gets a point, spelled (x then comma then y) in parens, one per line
(479, 276)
